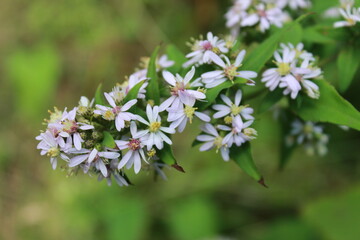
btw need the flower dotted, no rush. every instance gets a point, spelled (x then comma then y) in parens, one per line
(265, 16)
(53, 147)
(235, 110)
(135, 150)
(180, 92)
(310, 135)
(94, 157)
(154, 135)
(351, 15)
(293, 73)
(69, 127)
(212, 140)
(85, 105)
(117, 113)
(236, 13)
(228, 72)
(201, 47)
(293, 4)
(238, 134)
(180, 116)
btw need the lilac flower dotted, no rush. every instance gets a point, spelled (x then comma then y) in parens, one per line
(238, 134)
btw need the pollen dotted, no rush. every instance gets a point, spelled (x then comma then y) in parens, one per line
(154, 126)
(283, 68)
(53, 152)
(69, 126)
(228, 119)
(134, 144)
(189, 112)
(231, 72)
(109, 115)
(235, 110)
(151, 153)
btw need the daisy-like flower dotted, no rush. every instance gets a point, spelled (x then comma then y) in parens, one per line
(69, 127)
(180, 90)
(53, 147)
(294, 4)
(265, 16)
(180, 116)
(232, 110)
(115, 112)
(333, 12)
(299, 51)
(201, 47)
(154, 135)
(351, 15)
(236, 13)
(85, 105)
(310, 135)
(135, 150)
(93, 157)
(238, 134)
(212, 140)
(228, 71)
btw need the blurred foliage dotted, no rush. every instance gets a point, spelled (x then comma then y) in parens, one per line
(52, 52)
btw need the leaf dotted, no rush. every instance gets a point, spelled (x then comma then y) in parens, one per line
(167, 156)
(108, 140)
(153, 91)
(330, 107)
(177, 56)
(211, 95)
(243, 157)
(133, 93)
(313, 35)
(270, 100)
(347, 63)
(99, 96)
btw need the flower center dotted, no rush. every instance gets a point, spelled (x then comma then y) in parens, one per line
(151, 153)
(154, 126)
(69, 126)
(218, 142)
(228, 119)
(351, 21)
(116, 109)
(235, 110)
(82, 110)
(262, 13)
(308, 128)
(250, 132)
(109, 115)
(207, 45)
(231, 72)
(178, 87)
(134, 144)
(283, 68)
(53, 152)
(189, 112)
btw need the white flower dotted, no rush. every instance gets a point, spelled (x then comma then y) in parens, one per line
(228, 72)
(299, 51)
(154, 135)
(236, 13)
(212, 140)
(201, 47)
(93, 157)
(135, 150)
(351, 15)
(68, 127)
(235, 110)
(163, 62)
(294, 4)
(180, 116)
(265, 16)
(238, 134)
(310, 135)
(53, 147)
(117, 113)
(180, 90)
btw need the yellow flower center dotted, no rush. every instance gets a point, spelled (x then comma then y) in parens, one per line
(228, 119)
(189, 112)
(231, 72)
(308, 128)
(53, 152)
(235, 110)
(151, 153)
(218, 142)
(351, 21)
(154, 126)
(109, 115)
(283, 69)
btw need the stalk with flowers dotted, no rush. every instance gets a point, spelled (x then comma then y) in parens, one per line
(130, 128)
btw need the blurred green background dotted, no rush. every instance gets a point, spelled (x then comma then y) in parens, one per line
(52, 52)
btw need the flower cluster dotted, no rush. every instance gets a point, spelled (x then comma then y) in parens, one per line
(295, 71)
(310, 135)
(349, 13)
(261, 14)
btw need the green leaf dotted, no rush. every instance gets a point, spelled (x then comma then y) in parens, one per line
(270, 100)
(313, 35)
(177, 56)
(133, 93)
(243, 157)
(153, 91)
(99, 96)
(166, 155)
(330, 107)
(108, 140)
(347, 63)
(211, 95)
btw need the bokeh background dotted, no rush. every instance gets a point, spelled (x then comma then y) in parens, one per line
(52, 52)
